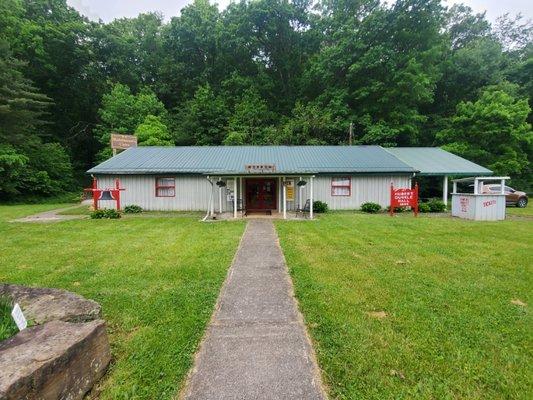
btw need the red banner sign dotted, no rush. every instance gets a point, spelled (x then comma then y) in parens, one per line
(403, 198)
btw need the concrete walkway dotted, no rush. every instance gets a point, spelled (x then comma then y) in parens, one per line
(256, 346)
(51, 216)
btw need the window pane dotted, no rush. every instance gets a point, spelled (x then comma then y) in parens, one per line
(341, 191)
(165, 181)
(344, 181)
(165, 192)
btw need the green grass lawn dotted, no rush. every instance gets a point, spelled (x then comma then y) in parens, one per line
(7, 324)
(157, 280)
(416, 308)
(526, 211)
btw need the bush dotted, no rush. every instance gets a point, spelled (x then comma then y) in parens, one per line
(105, 214)
(370, 207)
(397, 209)
(320, 207)
(436, 205)
(424, 208)
(133, 209)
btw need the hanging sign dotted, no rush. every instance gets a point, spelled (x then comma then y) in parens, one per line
(122, 142)
(19, 318)
(403, 198)
(289, 188)
(260, 168)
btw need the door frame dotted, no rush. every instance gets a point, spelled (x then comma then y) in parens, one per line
(261, 179)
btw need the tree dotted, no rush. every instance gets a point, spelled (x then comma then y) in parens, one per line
(123, 112)
(132, 49)
(258, 72)
(22, 107)
(204, 118)
(27, 165)
(464, 27)
(250, 121)
(12, 165)
(58, 45)
(153, 132)
(493, 131)
(386, 67)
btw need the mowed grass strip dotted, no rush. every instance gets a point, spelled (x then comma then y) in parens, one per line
(425, 308)
(157, 280)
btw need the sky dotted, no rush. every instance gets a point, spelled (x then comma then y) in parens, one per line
(107, 10)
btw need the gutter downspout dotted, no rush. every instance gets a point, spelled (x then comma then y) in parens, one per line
(210, 200)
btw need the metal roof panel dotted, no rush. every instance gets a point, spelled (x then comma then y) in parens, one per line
(436, 161)
(233, 159)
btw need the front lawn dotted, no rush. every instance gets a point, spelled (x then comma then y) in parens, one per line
(157, 280)
(416, 308)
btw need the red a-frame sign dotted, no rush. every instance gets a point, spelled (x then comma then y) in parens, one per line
(403, 198)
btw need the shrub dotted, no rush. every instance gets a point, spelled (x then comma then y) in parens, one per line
(133, 209)
(424, 208)
(397, 209)
(436, 205)
(320, 207)
(370, 207)
(105, 214)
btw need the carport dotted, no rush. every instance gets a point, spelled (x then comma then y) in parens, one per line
(434, 161)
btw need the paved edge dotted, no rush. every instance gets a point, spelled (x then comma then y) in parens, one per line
(182, 393)
(186, 383)
(51, 216)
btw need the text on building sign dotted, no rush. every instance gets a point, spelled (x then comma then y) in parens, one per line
(260, 168)
(122, 142)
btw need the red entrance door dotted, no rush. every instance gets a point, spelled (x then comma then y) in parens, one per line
(261, 194)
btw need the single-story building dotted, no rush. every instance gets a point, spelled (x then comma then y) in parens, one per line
(268, 178)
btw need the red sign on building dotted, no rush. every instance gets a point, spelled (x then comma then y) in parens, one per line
(403, 198)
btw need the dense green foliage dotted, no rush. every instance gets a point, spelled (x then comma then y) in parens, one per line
(436, 205)
(370, 207)
(105, 214)
(320, 207)
(260, 72)
(133, 209)
(424, 208)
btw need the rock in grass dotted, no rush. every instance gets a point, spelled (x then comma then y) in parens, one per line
(57, 360)
(41, 305)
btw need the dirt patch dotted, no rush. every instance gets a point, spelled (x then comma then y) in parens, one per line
(518, 302)
(377, 314)
(398, 374)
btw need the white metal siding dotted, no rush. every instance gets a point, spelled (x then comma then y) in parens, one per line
(374, 189)
(483, 207)
(193, 192)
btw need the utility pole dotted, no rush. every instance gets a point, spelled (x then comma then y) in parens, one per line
(350, 134)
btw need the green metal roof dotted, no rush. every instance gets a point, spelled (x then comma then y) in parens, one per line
(232, 160)
(435, 161)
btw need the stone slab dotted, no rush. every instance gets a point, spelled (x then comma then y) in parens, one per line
(57, 360)
(41, 305)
